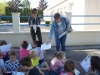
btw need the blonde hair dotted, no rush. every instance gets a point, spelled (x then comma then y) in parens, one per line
(60, 54)
(33, 53)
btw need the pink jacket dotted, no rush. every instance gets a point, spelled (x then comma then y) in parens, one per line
(24, 53)
(56, 64)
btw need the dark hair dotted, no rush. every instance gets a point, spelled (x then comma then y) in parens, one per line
(38, 43)
(56, 16)
(26, 61)
(12, 52)
(0, 42)
(24, 44)
(69, 65)
(90, 73)
(3, 42)
(95, 63)
(34, 10)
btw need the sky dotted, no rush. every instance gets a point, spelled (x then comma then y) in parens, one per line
(34, 3)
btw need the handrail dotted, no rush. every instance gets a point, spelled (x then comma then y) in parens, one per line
(52, 16)
(71, 16)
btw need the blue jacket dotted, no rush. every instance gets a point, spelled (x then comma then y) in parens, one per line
(54, 27)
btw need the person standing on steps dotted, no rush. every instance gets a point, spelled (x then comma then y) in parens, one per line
(59, 25)
(34, 22)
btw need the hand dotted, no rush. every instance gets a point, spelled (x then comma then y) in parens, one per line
(48, 68)
(49, 40)
(44, 52)
(67, 29)
(11, 48)
(5, 70)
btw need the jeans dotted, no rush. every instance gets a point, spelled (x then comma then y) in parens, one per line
(58, 71)
(41, 61)
(61, 41)
(38, 33)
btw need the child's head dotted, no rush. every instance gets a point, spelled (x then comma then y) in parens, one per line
(24, 44)
(3, 42)
(33, 54)
(90, 73)
(69, 66)
(60, 55)
(12, 55)
(26, 62)
(36, 44)
(95, 63)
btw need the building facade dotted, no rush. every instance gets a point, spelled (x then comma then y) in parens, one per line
(76, 7)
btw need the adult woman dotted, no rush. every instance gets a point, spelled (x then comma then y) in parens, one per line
(34, 22)
(59, 26)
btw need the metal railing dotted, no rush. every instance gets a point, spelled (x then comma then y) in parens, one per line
(78, 16)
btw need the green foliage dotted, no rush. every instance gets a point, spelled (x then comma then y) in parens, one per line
(2, 9)
(6, 11)
(48, 22)
(25, 12)
(26, 3)
(40, 13)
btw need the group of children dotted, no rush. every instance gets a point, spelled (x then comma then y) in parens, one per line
(33, 61)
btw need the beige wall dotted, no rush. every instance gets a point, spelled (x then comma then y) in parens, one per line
(74, 38)
(92, 7)
(79, 7)
(54, 8)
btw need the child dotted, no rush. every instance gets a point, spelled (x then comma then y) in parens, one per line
(3, 42)
(27, 65)
(12, 64)
(4, 54)
(95, 64)
(90, 73)
(37, 46)
(57, 63)
(23, 51)
(1, 65)
(69, 67)
(35, 60)
(0, 42)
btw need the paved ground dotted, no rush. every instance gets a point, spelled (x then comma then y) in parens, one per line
(76, 53)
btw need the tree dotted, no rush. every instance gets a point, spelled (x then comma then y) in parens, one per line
(15, 5)
(3, 5)
(42, 5)
(26, 3)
